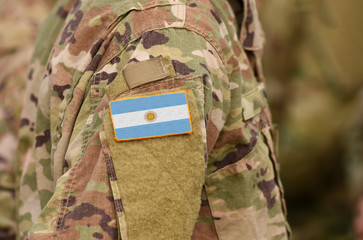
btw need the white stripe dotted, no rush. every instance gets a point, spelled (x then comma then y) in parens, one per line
(166, 114)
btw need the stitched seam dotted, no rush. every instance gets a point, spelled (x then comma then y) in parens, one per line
(61, 213)
(114, 187)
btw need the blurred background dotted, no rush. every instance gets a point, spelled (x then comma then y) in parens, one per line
(19, 23)
(314, 78)
(314, 75)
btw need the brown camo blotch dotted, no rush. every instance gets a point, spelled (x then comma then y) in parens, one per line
(87, 36)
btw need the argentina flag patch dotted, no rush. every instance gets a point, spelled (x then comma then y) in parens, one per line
(152, 116)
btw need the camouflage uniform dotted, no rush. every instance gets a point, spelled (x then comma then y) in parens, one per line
(19, 21)
(78, 182)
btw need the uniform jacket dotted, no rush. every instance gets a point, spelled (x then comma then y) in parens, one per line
(80, 180)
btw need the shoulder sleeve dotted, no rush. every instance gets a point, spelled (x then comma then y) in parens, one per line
(168, 84)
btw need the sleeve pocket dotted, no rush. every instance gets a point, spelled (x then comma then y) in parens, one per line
(158, 181)
(246, 196)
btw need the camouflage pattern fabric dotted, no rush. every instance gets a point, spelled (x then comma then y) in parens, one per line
(19, 21)
(73, 183)
(315, 86)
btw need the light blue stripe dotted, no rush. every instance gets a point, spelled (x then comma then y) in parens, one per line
(145, 103)
(154, 129)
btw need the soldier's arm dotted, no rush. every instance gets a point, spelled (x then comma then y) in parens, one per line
(177, 78)
(145, 110)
